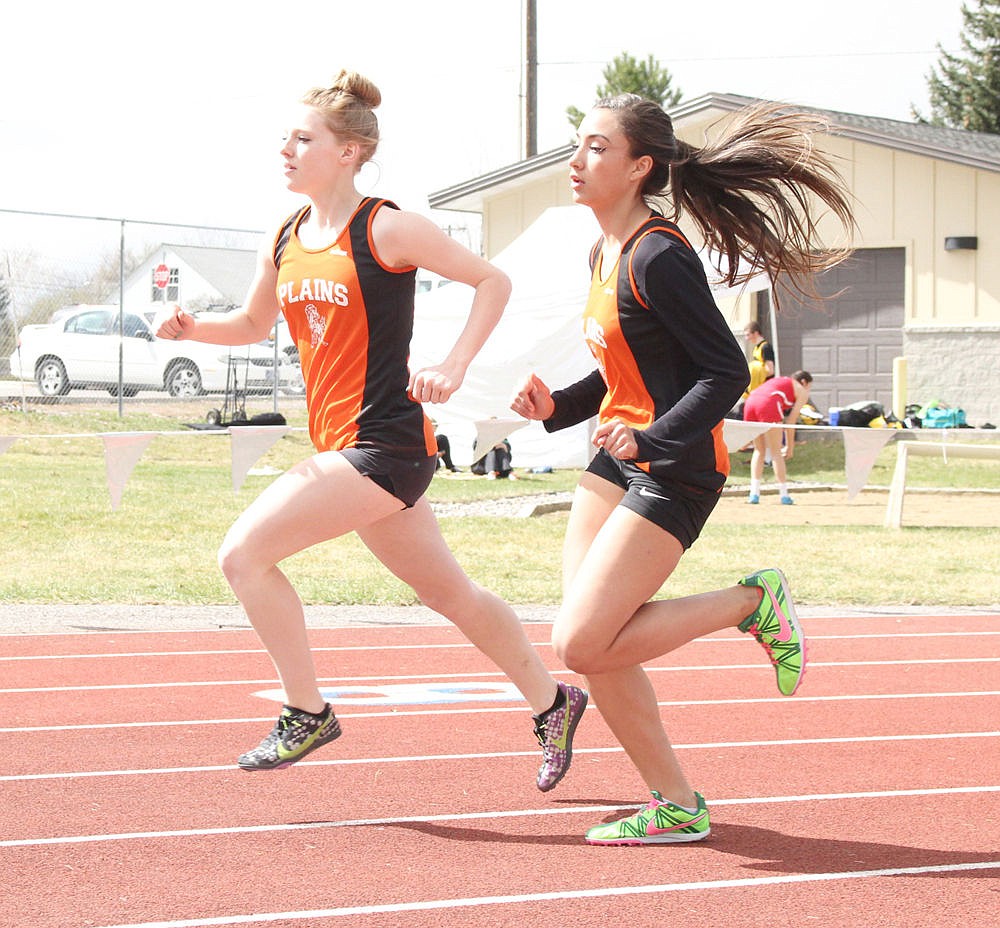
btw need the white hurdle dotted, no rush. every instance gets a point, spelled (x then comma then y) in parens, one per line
(897, 489)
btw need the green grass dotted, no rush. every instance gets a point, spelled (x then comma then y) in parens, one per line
(821, 460)
(64, 544)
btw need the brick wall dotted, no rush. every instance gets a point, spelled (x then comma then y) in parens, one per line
(959, 366)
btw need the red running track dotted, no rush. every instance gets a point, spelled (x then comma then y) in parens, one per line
(872, 798)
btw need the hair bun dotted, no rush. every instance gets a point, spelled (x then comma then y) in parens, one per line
(358, 86)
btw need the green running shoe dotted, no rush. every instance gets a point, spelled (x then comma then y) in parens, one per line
(661, 822)
(776, 627)
(295, 734)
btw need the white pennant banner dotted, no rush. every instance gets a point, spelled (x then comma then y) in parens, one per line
(249, 442)
(861, 448)
(736, 433)
(122, 451)
(6, 441)
(490, 432)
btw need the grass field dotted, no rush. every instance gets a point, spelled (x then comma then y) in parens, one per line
(63, 543)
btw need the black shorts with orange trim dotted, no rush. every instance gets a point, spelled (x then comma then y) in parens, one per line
(678, 508)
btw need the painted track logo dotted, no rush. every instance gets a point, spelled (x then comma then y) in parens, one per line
(411, 694)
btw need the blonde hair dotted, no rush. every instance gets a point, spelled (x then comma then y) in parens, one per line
(347, 106)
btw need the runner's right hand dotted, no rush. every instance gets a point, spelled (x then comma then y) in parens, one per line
(533, 400)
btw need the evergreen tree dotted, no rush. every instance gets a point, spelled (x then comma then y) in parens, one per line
(965, 88)
(626, 74)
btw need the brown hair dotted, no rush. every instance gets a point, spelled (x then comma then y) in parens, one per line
(752, 191)
(348, 108)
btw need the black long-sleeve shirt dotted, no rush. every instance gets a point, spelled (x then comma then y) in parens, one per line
(668, 364)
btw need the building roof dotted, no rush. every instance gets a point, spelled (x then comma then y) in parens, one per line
(972, 149)
(229, 270)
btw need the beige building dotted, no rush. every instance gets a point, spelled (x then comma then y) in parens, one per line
(923, 283)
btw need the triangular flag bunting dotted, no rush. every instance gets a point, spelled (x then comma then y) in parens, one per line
(736, 433)
(249, 442)
(490, 432)
(122, 451)
(861, 448)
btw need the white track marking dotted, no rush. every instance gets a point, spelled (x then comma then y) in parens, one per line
(450, 710)
(493, 815)
(490, 755)
(604, 892)
(329, 681)
(711, 639)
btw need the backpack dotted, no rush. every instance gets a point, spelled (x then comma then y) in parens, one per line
(942, 417)
(859, 415)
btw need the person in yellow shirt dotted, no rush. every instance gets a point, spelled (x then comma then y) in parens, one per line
(761, 357)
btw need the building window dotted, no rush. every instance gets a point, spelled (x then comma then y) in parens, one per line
(171, 292)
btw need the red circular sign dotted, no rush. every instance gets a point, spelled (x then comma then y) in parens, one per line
(161, 275)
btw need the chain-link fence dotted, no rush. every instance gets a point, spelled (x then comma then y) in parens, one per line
(77, 299)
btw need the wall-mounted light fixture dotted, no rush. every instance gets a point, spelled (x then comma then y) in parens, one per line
(961, 243)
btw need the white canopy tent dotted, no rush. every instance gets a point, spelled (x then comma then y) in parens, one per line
(540, 333)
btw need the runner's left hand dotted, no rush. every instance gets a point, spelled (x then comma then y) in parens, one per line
(434, 384)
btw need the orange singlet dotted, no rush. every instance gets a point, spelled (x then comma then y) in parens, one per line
(351, 317)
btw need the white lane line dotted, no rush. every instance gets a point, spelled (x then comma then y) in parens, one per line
(492, 755)
(973, 613)
(395, 714)
(237, 651)
(811, 636)
(481, 816)
(604, 892)
(813, 665)
(712, 639)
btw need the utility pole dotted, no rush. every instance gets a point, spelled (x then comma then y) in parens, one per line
(530, 115)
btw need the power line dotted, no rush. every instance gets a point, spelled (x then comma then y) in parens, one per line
(812, 56)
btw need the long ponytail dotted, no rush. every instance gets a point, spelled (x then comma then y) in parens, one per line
(756, 193)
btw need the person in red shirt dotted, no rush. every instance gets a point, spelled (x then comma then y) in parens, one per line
(668, 370)
(779, 399)
(342, 270)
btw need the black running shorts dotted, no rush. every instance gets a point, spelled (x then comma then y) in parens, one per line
(405, 478)
(680, 509)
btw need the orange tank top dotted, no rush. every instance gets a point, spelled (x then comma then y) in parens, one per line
(351, 317)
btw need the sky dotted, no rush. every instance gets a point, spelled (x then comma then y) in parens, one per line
(174, 112)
